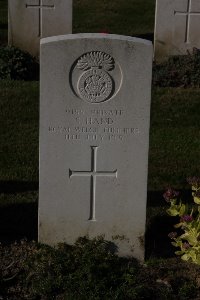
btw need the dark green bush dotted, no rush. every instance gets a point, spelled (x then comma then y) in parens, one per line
(178, 71)
(90, 270)
(87, 270)
(184, 287)
(18, 65)
(188, 291)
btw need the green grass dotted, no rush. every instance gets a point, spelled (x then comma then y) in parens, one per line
(3, 22)
(130, 17)
(19, 141)
(19, 130)
(174, 137)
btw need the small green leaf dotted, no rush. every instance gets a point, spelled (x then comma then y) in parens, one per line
(172, 211)
(196, 200)
(178, 225)
(185, 257)
(182, 210)
(179, 252)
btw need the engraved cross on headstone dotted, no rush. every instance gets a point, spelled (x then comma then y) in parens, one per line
(188, 13)
(40, 6)
(93, 174)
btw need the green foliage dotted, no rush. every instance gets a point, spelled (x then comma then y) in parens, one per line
(185, 288)
(18, 65)
(188, 238)
(89, 269)
(181, 70)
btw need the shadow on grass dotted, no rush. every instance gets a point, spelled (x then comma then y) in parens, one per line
(3, 40)
(4, 26)
(3, 34)
(158, 244)
(18, 221)
(146, 36)
(159, 225)
(156, 199)
(10, 187)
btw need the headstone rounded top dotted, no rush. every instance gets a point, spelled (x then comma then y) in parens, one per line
(94, 35)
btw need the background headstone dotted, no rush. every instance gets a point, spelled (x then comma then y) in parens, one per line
(94, 133)
(177, 24)
(30, 20)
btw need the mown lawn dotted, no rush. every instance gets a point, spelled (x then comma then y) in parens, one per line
(174, 137)
(3, 22)
(130, 17)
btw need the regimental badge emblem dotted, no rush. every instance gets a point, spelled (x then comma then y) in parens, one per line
(94, 73)
(95, 84)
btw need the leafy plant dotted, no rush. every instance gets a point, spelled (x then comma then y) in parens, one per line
(187, 236)
(88, 270)
(18, 65)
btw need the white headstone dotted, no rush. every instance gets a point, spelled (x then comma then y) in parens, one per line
(94, 133)
(30, 20)
(177, 24)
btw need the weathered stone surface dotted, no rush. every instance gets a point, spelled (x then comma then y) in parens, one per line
(94, 132)
(177, 24)
(30, 20)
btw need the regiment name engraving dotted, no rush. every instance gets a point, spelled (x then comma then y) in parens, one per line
(94, 125)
